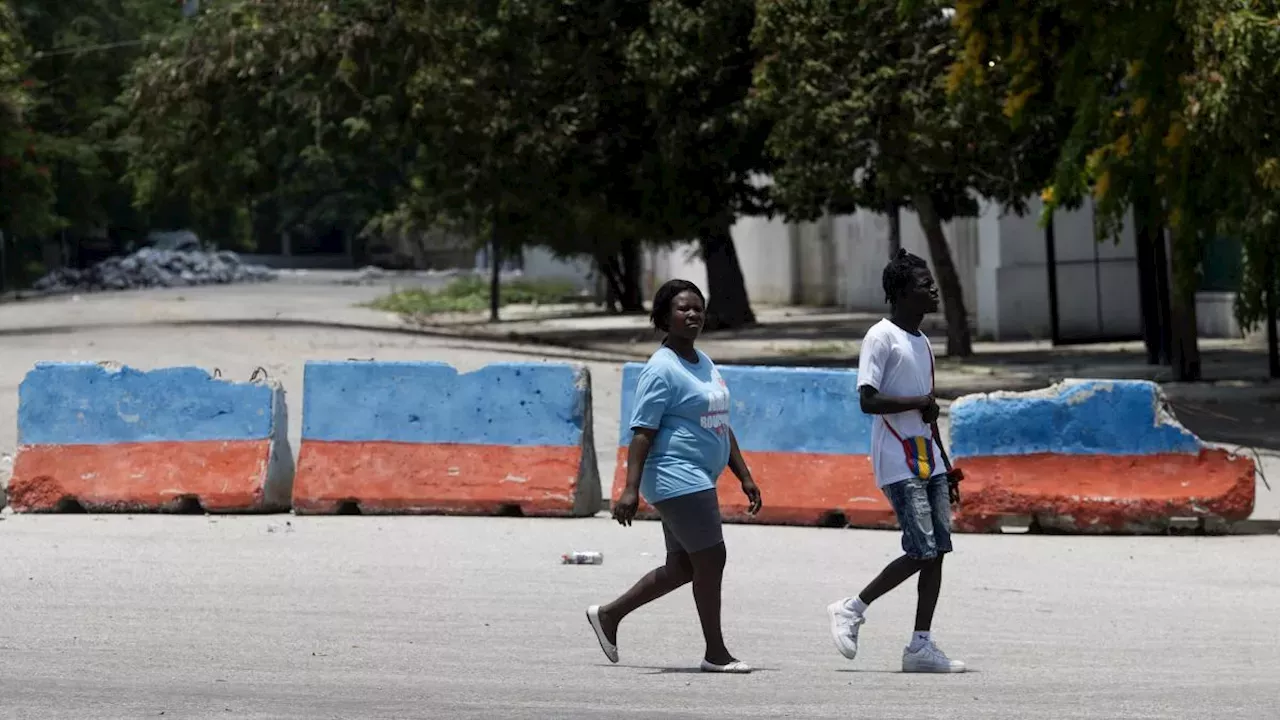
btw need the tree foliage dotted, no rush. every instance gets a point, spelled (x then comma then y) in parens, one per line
(584, 127)
(861, 119)
(80, 55)
(26, 187)
(291, 112)
(1170, 117)
(695, 62)
(1232, 114)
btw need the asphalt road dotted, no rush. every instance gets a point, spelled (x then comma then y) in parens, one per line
(363, 617)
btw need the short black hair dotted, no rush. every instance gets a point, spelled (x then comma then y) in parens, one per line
(661, 314)
(897, 274)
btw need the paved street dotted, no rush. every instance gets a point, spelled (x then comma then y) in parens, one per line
(383, 617)
(250, 617)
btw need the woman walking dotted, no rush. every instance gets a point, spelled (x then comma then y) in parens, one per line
(680, 445)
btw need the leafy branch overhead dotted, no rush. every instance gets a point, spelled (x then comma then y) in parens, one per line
(856, 94)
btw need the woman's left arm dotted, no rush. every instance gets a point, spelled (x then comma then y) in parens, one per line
(739, 467)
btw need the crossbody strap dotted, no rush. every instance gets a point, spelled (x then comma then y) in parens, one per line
(933, 381)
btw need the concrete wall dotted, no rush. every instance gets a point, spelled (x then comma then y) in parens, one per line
(1000, 257)
(1076, 417)
(92, 404)
(112, 438)
(537, 404)
(404, 437)
(836, 261)
(1091, 456)
(1097, 281)
(1216, 316)
(541, 264)
(802, 435)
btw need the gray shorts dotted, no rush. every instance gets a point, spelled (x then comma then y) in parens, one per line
(691, 522)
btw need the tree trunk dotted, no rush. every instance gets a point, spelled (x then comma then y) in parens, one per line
(1273, 287)
(1148, 299)
(959, 342)
(608, 265)
(632, 298)
(1185, 349)
(4, 264)
(495, 277)
(727, 303)
(1164, 289)
(895, 229)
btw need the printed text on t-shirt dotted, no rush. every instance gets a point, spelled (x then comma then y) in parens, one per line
(717, 415)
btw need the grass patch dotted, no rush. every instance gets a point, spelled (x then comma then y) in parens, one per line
(818, 349)
(471, 294)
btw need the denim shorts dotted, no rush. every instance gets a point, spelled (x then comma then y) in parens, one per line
(924, 514)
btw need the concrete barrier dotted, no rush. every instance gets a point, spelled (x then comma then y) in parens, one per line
(805, 439)
(509, 439)
(101, 437)
(1090, 456)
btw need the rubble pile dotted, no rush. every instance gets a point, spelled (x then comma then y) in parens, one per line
(152, 268)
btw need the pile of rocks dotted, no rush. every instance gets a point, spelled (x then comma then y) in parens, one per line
(151, 268)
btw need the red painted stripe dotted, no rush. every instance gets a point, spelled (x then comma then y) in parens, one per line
(226, 476)
(391, 477)
(797, 489)
(1105, 492)
(1070, 492)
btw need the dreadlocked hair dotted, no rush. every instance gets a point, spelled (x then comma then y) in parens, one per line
(897, 274)
(661, 314)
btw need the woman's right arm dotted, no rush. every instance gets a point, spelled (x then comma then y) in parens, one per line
(637, 452)
(652, 393)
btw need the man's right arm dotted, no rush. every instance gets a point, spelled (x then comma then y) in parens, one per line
(873, 403)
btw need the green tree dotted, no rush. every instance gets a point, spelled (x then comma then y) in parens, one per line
(81, 53)
(26, 188)
(585, 127)
(1129, 75)
(861, 118)
(1232, 117)
(288, 112)
(694, 61)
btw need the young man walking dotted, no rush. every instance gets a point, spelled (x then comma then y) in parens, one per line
(895, 385)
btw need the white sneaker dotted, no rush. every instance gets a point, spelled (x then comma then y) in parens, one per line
(844, 627)
(929, 658)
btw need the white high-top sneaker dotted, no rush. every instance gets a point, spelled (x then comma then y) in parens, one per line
(929, 658)
(844, 627)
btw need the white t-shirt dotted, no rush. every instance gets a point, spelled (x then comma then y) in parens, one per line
(898, 364)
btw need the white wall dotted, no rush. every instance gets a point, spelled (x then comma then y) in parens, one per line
(541, 264)
(1097, 282)
(764, 251)
(863, 251)
(1000, 257)
(679, 261)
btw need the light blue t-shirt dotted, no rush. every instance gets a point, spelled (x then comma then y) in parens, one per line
(688, 405)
